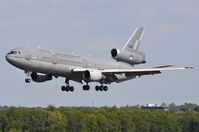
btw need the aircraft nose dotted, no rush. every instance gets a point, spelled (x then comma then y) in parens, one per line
(7, 57)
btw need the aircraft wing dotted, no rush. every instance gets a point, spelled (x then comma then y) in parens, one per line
(145, 71)
(112, 74)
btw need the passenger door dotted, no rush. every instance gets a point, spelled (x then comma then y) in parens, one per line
(27, 55)
(84, 63)
(54, 58)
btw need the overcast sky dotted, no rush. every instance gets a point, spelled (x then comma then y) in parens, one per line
(92, 28)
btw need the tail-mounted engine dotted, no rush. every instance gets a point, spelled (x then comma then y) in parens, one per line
(132, 58)
(40, 78)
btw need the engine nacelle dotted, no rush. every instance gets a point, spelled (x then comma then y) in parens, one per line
(133, 58)
(40, 78)
(92, 75)
(114, 53)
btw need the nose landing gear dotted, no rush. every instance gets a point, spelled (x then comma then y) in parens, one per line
(27, 80)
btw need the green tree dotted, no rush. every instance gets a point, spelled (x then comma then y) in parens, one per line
(164, 105)
(3, 121)
(172, 105)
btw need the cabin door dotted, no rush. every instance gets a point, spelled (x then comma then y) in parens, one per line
(54, 58)
(27, 55)
(84, 63)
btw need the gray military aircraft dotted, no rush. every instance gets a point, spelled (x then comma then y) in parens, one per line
(42, 65)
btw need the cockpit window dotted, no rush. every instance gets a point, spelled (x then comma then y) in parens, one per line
(14, 52)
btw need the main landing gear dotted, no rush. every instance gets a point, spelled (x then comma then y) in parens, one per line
(67, 88)
(97, 88)
(86, 87)
(101, 88)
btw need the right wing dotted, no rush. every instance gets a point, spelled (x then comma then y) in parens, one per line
(118, 75)
(146, 71)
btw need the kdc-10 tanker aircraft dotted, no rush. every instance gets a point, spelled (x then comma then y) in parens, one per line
(42, 65)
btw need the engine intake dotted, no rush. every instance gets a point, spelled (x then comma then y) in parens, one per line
(92, 75)
(114, 52)
(132, 58)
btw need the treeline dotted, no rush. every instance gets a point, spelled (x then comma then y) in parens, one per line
(83, 119)
(185, 107)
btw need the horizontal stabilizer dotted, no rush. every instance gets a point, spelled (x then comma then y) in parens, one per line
(163, 66)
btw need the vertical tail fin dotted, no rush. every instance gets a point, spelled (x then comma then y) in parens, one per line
(130, 53)
(134, 41)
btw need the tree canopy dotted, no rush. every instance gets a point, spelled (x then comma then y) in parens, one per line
(105, 119)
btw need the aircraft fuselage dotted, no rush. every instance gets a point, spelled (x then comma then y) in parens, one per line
(56, 64)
